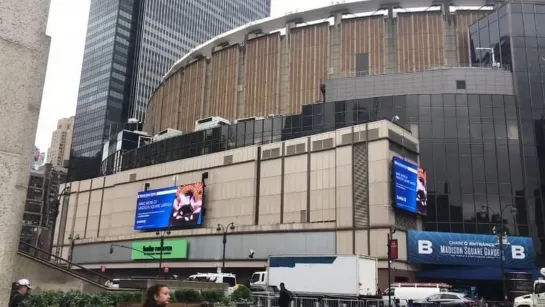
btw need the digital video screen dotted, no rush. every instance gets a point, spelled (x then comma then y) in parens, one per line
(409, 186)
(170, 207)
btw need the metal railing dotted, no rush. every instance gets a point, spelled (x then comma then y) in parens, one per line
(409, 303)
(272, 301)
(62, 264)
(496, 304)
(412, 69)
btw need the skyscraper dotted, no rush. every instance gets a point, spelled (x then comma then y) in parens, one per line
(61, 139)
(129, 47)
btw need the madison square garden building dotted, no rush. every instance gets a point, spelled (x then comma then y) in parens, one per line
(338, 92)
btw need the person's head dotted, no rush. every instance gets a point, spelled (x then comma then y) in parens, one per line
(23, 286)
(282, 286)
(157, 295)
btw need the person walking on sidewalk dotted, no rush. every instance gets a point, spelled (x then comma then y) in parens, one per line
(285, 296)
(21, 290)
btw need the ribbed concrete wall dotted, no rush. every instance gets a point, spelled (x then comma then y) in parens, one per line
(24, 48)
(277, 74)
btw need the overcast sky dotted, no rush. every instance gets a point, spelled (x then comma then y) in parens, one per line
(67, 27)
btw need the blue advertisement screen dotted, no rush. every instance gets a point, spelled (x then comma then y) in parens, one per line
(409, 186)
(446, 248)
(170, 207)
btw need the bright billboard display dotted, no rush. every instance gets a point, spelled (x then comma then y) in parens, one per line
(409, 187)
(170, 207)
(172, 249)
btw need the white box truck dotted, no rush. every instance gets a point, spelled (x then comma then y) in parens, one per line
(537, 297)
(325, 275)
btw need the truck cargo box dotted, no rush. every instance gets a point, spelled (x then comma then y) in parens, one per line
(331, 275)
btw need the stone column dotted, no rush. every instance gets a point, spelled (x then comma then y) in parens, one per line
(390, 42)
(284, 72)
(24, 48)
(451, 55)
(240, 111)
(335, 46)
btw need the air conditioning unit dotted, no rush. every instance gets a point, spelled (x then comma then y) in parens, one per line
(166, 134)
(248, 119)
(210, 122)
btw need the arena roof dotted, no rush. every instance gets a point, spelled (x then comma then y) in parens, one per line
(271, 24)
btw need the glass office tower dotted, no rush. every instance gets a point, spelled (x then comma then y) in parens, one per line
(130, 45)
(516, 34)
(104, 91)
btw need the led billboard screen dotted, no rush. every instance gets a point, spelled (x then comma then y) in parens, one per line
(170, 207)
(409, 186)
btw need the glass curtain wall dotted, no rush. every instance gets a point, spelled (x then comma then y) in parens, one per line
(517, 31)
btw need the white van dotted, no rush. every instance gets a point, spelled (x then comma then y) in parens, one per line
(112, 284)
(259, 279)
(413, 291)
(219, 278)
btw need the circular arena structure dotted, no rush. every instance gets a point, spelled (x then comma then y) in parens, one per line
(276, 65)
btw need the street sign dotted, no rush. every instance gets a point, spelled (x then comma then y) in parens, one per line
(393, 249)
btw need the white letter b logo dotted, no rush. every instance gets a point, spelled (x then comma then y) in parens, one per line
(424, 247)
(517, 252)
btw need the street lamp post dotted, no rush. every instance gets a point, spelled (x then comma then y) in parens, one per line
(501, 232)
(225, 230)
(161, 234)
(391, 257)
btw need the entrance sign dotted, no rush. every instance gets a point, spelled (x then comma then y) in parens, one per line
(445, 248)
(149, 250)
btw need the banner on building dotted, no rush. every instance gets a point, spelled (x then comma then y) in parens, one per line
(445, 248)
(151, 250)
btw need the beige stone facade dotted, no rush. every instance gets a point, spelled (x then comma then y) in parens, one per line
(58, 153)
(24, 48)
(334, 183)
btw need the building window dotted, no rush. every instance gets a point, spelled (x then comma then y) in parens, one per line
(460, 84)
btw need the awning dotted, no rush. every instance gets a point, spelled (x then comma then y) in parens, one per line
(470, 272)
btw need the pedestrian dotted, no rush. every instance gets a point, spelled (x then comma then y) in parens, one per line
(157, 296)
(21, 290)
(285, 296)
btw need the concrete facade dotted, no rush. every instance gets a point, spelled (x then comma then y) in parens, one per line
(438, 81)
(328, 193)
(24, 48)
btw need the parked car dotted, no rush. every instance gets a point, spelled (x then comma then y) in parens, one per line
(450, 299)
(219, 278)
(412, 291)
(261, 290)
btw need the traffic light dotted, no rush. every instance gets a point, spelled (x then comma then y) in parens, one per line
(52, 194)
(111, 249)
